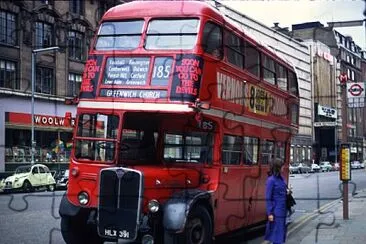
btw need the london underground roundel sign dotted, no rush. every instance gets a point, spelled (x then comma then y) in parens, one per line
(356, 90)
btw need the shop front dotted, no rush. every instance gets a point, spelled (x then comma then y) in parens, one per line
(53, 130)
(53, 136)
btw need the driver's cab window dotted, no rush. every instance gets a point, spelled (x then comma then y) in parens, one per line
(138, 144)
(35, 170)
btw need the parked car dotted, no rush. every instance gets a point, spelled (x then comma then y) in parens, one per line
(325, 166)
(356, 165)
(315, 168)
(62, 179)
(362, 165)
(29, 178)
(294, 168)
(303, 168)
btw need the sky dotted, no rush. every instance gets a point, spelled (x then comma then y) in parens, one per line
(289, 12)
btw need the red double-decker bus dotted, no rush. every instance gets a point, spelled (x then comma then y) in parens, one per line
(180, 115)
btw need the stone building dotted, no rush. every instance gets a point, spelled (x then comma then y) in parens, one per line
(349, 60)
(30, 25)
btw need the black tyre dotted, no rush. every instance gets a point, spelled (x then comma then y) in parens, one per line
(27, 186)
(198, 229)
(75, 230)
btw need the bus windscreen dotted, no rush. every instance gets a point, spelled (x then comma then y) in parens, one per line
(172, 34)
(122, 35)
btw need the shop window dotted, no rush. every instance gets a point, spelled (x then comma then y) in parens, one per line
(212, 39)
(45, 81)
(234, 50)
(250, 153)
(231, 150)
(252, 59)
(267, 150)
(76, 45)
(73, 85)
(44, 35)
(76, 7)
(8, 33)
(269, 72)
(8, 74)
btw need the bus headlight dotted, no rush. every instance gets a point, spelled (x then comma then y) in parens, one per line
(153, 206)
(83, 198)
(147, 239)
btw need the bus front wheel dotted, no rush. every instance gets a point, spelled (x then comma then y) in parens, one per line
(75, 230)
(198, 229)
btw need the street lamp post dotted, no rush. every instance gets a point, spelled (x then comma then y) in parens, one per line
(34, 55)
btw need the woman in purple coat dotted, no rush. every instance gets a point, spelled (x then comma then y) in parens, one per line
(276, 191)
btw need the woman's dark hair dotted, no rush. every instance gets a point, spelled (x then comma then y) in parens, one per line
(275, 167)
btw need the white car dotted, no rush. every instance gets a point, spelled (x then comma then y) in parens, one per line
(30, 177)
(356, 165)
(315, 168)
(326, 166)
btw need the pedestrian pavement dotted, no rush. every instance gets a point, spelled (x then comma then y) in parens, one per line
(327, 226)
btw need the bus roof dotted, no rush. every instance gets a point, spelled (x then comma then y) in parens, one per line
(141, 9)
(165, 8)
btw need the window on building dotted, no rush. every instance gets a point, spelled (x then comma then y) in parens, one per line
(250, 150)
(212, 39)
(281, 77)
(252, 59)
(269, 72)
(76, 45)
(8, 34)
(45, 81)
(234, 48)
(44, 35)
(8, 75)
(267, 150)
(73, 86)
(76, 6)
(231, 150)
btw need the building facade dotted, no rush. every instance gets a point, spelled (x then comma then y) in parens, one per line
(298, 54)
(30, 25)
(349, 60)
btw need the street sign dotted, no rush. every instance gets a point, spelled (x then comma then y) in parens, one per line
(355, 90)
(325, 124)
(345, 167)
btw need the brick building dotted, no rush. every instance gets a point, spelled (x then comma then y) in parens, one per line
(29, 25)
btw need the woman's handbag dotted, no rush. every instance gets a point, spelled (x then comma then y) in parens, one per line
(290, 201)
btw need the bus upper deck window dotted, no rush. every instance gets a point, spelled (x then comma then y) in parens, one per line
(172, 34)
(122, 35)
(212, 40)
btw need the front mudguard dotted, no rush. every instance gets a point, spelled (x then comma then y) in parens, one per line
(177, 208)
(67, 208)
